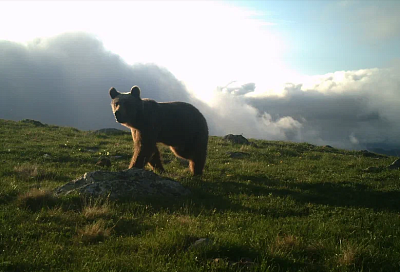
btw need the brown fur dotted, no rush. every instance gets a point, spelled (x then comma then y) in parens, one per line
(176, 124)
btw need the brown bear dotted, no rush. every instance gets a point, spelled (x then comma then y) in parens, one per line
(176, 124)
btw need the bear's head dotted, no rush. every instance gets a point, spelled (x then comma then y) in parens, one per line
(125, 106)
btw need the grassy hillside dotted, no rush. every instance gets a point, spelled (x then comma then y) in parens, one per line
(281, 207)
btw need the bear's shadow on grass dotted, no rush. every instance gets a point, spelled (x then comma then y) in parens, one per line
(216, 196)
(198, 202)
(348, 194)
(340, 194)
(209, 196)
(129, 227)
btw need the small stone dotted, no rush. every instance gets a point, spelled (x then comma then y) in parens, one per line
(238, 155)
(253, 145)
(33, 122)
(373, 169)
(394, 165)
(111, 131)
(369, 154)
(104, 162)
(244, 262)
(200, 243)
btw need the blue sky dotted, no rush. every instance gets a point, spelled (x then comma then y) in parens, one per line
(328, 36)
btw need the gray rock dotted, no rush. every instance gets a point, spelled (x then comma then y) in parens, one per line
(236, 139)
(366, 153)
(104, 162)
(111, 131)
(373, 169)
(394, 165)
(219, 260)
(33, 122)
(253, 145)
(238, 155)
(200, 243)
(327, 146)
(244, 263)
(128, 183)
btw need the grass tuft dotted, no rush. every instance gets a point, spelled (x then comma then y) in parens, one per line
(36, 199)
(93, 233)
(315, 251)
(348, 256)
(96, 209)
(286, 242)
(26, 171)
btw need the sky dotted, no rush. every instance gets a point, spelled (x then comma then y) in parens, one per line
(324, 72)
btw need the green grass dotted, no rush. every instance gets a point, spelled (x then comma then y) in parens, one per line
(285, 207)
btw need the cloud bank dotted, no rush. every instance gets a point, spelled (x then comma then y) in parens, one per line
(353, 109)
(65, 80)
(346, 109)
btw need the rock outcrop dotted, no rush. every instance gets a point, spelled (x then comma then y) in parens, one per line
(236, 139)
(33, 122)
(111, 131)
(238, 155)
(394, 165)
(128, 183)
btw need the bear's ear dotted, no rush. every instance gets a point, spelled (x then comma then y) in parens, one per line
(113, 93)
(135, 91)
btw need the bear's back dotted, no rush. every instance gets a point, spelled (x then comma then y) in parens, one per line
(179, 122)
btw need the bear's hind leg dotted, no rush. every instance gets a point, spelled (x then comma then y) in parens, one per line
(181, 152)
(196, 158)
(155, 161)
(197, 164)
(196, 167)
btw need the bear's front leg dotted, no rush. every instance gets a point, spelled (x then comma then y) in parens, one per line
(142, 155)
(155, 161)
(144, 148)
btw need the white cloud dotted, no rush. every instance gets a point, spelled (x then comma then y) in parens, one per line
(349, 109)
(353, 139)
(65, 80)
(340, 81)
(229, 114)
